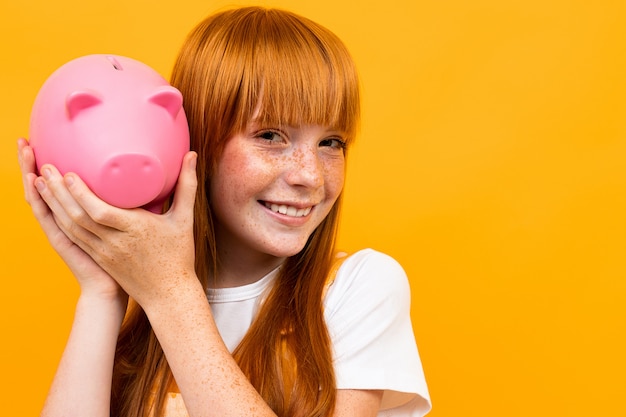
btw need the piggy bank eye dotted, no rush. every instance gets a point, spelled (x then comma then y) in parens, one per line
(78, 101)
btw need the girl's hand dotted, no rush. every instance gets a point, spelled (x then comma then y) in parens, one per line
(92, 279)
(149, 255)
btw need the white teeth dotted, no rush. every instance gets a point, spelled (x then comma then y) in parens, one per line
(303, 212)
(288, 210)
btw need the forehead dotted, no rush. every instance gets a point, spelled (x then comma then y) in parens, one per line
(282, 106)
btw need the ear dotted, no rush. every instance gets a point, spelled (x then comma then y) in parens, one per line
(169, 98)
(80, 100)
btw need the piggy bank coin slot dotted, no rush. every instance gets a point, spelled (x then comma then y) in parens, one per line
(115, 63)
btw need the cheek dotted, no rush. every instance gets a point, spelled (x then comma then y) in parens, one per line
(334, 179)
(239, 175)
(226, 181)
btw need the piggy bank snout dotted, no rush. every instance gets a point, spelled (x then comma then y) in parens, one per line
(130, 180)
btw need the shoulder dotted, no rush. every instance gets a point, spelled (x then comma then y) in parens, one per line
(371, 280)
(368, 270)
(366, 259)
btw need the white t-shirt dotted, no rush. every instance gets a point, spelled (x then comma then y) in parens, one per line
(367, 312)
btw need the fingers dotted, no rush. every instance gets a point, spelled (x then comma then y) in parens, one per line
(26, 160)
(69, 215)
(40, 209)
(185, 193)
(99, 212)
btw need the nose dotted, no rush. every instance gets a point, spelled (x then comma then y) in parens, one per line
(131, 180)
(305, 169)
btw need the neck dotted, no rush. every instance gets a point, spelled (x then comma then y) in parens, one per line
(238, 266)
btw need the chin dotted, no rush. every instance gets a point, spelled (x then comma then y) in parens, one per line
(285, 251)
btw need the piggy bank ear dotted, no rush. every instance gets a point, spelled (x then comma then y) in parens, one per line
(169, 98)
(78, 101)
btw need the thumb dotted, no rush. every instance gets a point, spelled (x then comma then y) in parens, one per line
(185, 192)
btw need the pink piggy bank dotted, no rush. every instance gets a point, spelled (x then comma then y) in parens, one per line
(116, 123)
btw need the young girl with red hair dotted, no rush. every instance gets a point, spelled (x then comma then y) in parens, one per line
(233, 302)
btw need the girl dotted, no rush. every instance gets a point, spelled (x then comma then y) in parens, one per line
(273, 105)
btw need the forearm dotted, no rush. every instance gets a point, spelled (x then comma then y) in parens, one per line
(82, 384)
(209, 379)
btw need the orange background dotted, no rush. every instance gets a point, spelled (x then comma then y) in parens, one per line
(491, 164)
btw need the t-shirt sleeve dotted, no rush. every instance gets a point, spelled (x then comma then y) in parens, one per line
(367, 310)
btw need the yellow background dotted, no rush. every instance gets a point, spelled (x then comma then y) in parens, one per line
(491, 164)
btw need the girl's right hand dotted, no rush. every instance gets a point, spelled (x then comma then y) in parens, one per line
(93, 280)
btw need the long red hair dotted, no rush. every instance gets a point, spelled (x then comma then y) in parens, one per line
(296, 72)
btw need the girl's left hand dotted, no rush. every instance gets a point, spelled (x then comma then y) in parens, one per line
(149, 255)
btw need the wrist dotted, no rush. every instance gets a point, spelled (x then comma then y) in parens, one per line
(167, 304)
(104, 305)
(106, 292)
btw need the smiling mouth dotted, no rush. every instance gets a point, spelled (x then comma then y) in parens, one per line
(288, 210)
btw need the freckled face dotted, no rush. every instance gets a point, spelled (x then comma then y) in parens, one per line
(273, 187)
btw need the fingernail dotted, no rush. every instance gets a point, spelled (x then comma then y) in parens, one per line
(46, 173)
(69, 180)
(40, 185)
